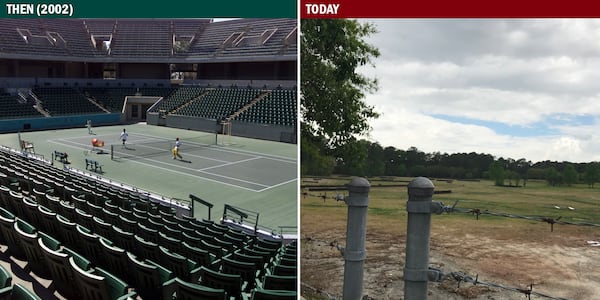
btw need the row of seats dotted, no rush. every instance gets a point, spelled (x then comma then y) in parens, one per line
(16, 291)
(177, 245)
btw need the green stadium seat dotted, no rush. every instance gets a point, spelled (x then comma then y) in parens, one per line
(16, 204)
(60, 269)
(181, 266)
(146, 249)
(84, 219)
(247, 270)
(147, 233)
(181, 290)
(48, 221)
(173, 244)
(126, 224)
(28, 237)
(276, 282)
(20, 292)
(232, 284)
(149, 277)
(99, 284)
(7, 220)
(216, 250)
(5, 283)
(283, 270)
(200, 256)
(31, 211)
(259, 294)
(102, 228)
(259, 261)
(68, 233)
(115, 260)
(88, 243)
(123, 239)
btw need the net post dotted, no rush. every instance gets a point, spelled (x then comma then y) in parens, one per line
(112, 152)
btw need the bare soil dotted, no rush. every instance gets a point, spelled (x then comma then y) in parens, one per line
(559, 264)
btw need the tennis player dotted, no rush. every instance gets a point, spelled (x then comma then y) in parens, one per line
(88, 124)
(123, 137)
(176, 149)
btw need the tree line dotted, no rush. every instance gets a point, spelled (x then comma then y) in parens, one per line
(370, 159)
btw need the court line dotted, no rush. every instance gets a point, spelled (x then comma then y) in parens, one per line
(277, 185)
(241, 152)
(167, 152)
(177, 166)
(230, 163)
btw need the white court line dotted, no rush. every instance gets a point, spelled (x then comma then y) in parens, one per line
(279, 184)
(243, 152)
(230, 163)
(177, 166)
(166, 151)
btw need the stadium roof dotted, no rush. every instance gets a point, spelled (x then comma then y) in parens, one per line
(149, 40)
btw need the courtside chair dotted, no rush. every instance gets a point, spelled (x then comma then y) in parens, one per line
(232, 284)
(20, 292)
(181, 290)
(148, 277)
(258, 294)
(99, 284)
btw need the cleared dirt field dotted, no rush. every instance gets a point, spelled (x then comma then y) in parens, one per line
(510, 252)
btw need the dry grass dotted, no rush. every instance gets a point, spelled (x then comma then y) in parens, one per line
(508, 251)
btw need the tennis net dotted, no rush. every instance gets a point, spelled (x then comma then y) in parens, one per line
(157, 147)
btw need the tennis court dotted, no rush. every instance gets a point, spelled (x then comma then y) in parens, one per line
(247, 173)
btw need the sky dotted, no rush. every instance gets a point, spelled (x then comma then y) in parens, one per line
(526, 88)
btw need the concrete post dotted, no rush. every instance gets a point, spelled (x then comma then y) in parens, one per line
(356, 231)
(419, 206)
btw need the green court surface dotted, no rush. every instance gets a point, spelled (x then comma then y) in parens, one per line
(252, 174)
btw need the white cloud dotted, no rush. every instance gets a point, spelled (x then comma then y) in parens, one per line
(516, 72)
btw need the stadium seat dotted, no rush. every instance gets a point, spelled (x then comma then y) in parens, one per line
(48, 221)
(181, 266)
(173, 244)
(232, 284)
(259, 261)
(276, 282)
(216, 250)
(181, 290)
(68, 233)
(103, 229)
(247, 270)
(28, 238)
(259, 294)
(22, 293)
(147, 234)
(89, 244)
(31, 211)
(5, 283)
(146, 249)
(16, 204)
(7, 219)
(126, 224)
(84, 219)
(123, 239)
(283, 270)
(148, 277)
(115, 260)
(60, 269)
(200, 256)
(99, 284)
(10, 235)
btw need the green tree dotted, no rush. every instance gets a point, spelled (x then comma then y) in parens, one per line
(570, 175)
(312, 160)
(553, 176)
(592, 174)
(331, 102)
(497, 173)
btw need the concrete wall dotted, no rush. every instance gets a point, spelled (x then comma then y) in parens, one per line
(43, 123)
(251, 130)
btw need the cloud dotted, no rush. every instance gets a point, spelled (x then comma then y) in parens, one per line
(436, 75)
